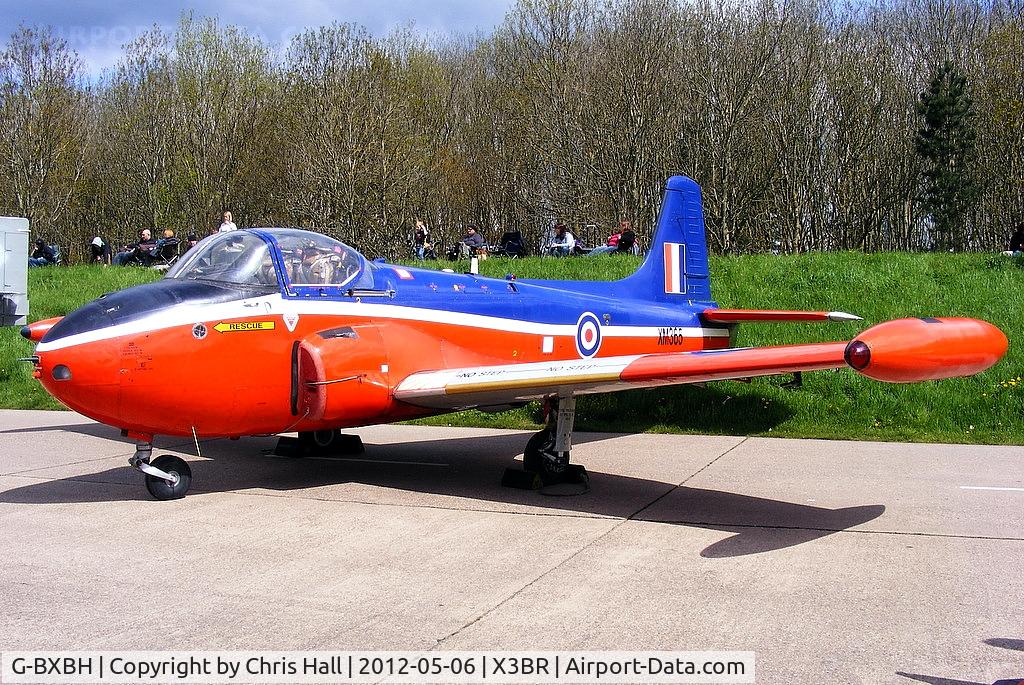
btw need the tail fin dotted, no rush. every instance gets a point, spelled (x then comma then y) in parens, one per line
(676, 268)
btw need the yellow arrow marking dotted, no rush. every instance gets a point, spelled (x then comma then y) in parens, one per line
(226, 327)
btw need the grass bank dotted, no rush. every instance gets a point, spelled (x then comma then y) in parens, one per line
(988, 408)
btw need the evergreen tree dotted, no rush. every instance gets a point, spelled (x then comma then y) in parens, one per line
(945, 144)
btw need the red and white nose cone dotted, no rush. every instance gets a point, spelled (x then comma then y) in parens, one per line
(36, 331)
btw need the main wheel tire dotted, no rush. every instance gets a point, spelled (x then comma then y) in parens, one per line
(539, 453)
(163, 490)
(318, 442)
(329, 442)
(324, 439)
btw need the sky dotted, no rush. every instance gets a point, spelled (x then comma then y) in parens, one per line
(96, 29)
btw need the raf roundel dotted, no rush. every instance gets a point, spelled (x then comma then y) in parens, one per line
(588, 335)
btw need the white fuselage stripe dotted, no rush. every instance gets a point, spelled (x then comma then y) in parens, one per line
(277, 306)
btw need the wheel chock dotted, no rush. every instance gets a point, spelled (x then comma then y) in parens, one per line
(289, 447)
(348, 444)
(345, 445)
(521, 480)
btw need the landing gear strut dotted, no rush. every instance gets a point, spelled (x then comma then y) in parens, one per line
(546, 457)
(167, 476)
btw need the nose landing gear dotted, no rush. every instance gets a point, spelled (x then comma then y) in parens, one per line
(167, 476)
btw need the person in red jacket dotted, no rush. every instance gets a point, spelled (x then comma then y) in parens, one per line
(615, 240)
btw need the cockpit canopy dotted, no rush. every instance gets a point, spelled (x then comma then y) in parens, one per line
(273, 258)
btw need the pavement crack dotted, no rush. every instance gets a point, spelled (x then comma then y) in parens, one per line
(122, 455)
(530, 584)
(683, 482)
(62, 465)
(335, 500)
(439, 507)
(621, 522)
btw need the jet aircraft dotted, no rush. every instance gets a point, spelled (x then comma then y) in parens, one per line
(277, 330)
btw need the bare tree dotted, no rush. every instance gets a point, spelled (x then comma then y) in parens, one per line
(44, 125)
(797, 117)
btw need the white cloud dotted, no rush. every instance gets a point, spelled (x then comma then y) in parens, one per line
(97, 29)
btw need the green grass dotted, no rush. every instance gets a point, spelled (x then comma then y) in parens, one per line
(988, 408)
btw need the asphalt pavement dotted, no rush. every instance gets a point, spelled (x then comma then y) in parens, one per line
(835, 562)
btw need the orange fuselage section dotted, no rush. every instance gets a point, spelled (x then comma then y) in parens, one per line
(281, 370)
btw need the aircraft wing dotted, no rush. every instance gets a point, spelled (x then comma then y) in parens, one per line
(901, 351)
(497, 385)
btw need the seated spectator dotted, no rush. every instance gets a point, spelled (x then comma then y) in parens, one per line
(137, 253)
(165, 250)
(1016, 242)
(564, 242)
(612, 244)
(620, 242)
(99, 251)
(43, 255)
(191, 241)
(472, 244)
(627, 241)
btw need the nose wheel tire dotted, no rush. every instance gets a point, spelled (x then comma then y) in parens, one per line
(181, 478)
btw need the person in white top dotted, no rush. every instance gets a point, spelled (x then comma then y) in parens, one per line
(228, 224)
(564, 242)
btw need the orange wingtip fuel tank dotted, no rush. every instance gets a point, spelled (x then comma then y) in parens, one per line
(36, 331)
(912, 350)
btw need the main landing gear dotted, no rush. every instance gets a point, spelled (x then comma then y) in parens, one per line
(546, 457)
(167, 476)
(319, 443)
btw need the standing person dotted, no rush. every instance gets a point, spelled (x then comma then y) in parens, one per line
(43, 255)
(564, 242)
(227, 224)
(421, 240)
